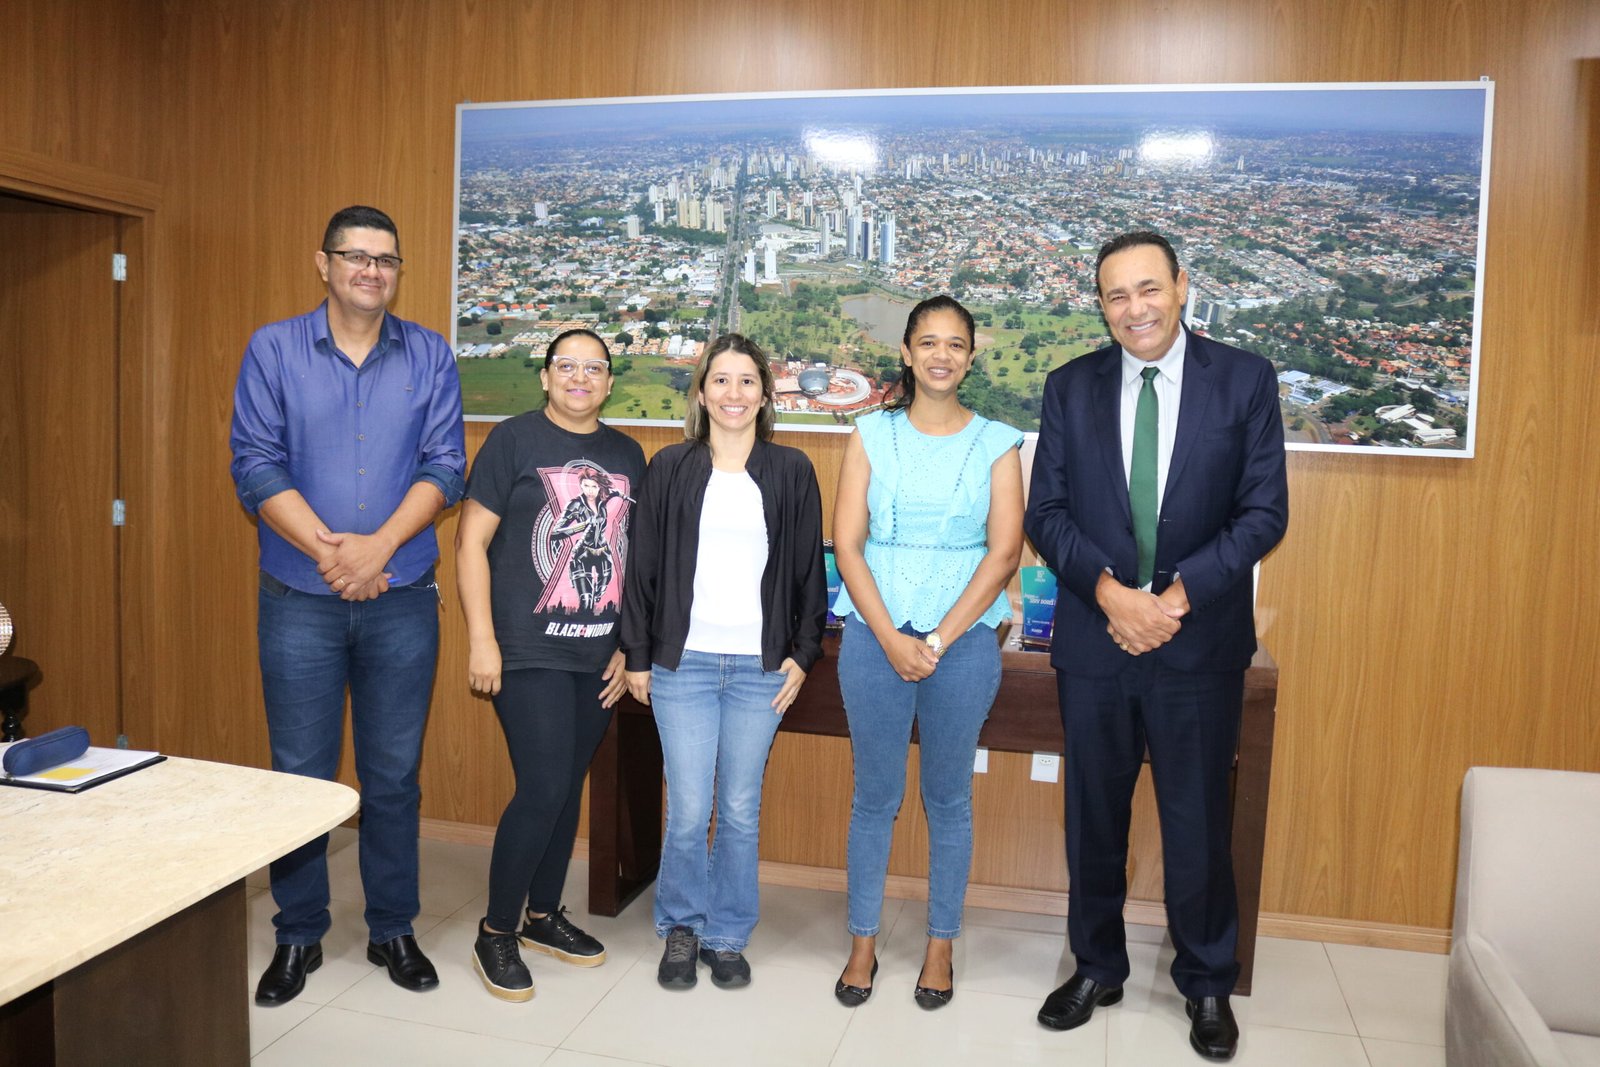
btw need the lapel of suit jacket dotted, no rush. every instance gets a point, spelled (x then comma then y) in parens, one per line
(1197, 384)
(1107, 407)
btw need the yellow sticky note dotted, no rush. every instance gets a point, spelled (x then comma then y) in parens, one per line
(66, 774)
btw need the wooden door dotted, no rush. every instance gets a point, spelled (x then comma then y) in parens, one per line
(58, 460)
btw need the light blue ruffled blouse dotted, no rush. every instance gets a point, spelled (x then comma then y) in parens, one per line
(928, 501)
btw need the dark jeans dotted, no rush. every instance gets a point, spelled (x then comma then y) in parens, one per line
(1191, 722)
(553, 722)
(384, 650)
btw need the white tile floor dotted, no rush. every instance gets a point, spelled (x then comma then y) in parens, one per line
(1314, 1004)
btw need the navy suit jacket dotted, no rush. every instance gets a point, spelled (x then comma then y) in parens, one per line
(1225, 505)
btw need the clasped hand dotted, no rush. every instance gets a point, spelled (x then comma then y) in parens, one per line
(1139, 621)
(910, 657)
(354, 569)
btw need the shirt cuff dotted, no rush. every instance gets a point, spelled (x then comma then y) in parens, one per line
(261, 485)
(447, 481)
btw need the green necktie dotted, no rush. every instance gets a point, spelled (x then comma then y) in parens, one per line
(1142, 480)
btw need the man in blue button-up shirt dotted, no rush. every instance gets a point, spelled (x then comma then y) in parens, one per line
(347, 443)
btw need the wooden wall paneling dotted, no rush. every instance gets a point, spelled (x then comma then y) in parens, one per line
(1583, 730)
(1426, 614)
(78, 84)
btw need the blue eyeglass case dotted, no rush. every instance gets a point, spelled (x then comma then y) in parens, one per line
(38, 754)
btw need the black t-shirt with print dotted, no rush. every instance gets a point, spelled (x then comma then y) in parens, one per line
(556, 560)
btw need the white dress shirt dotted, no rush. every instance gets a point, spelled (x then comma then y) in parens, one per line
(1169, 391)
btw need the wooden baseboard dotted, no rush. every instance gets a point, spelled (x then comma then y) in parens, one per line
(1034, 901)
(466, 833)
(997, 897)
(1352, 932)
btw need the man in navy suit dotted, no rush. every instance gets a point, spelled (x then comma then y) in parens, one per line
(1158, 483)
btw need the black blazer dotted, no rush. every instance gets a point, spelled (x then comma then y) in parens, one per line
(1226, 504)
(665, 540)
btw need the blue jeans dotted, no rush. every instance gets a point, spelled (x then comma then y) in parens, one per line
(949, 707)
(715, 717)
(384, 650)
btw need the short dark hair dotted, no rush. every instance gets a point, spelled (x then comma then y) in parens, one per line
(1133, 239)
(904, 391)
(357, 217)
(555, 343)
(696, 422)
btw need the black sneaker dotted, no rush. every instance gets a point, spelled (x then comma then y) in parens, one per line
(555, 936)
(677, 961)
(729, 969)
(499, 964)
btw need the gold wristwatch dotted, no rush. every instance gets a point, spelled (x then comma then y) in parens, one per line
(935, 643)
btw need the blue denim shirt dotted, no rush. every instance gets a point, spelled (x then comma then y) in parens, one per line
(353, 440)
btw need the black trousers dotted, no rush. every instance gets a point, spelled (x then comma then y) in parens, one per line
(1190, 722)
(553, 722)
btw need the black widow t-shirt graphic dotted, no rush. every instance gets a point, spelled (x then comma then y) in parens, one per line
(579, 543)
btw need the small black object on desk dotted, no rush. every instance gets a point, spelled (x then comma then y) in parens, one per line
(17, 675)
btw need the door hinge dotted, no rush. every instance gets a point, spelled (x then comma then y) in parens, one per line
(119, 267)
(119, 513)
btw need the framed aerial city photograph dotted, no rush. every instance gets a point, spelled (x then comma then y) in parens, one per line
(1337, 229)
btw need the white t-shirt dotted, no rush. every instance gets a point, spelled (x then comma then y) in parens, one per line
(725, 617)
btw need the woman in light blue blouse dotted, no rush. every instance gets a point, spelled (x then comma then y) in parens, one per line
(927, 532)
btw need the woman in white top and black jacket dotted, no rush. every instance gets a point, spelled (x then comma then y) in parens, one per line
(722, 617)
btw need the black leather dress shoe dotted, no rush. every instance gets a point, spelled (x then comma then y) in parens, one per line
(285, 976)
(408, 967)
(1212, 1030)
(853, 996)
(1074, 1001)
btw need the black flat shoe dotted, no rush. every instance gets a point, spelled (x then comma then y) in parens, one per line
(853, 996)
(1074, 1001)
(285, 976)
(934, 999)
(408, 967)
(1212, 1030)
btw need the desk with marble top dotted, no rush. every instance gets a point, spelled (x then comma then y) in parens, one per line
(122, 909)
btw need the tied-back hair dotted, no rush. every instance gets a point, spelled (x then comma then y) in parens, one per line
(696, 421)
(904, 391)
(550, 349)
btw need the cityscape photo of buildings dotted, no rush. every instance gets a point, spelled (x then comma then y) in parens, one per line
(1336, 231)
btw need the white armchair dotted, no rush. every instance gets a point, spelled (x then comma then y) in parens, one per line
(1524, 984)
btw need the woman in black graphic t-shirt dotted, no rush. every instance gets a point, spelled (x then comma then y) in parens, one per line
(545, 523)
